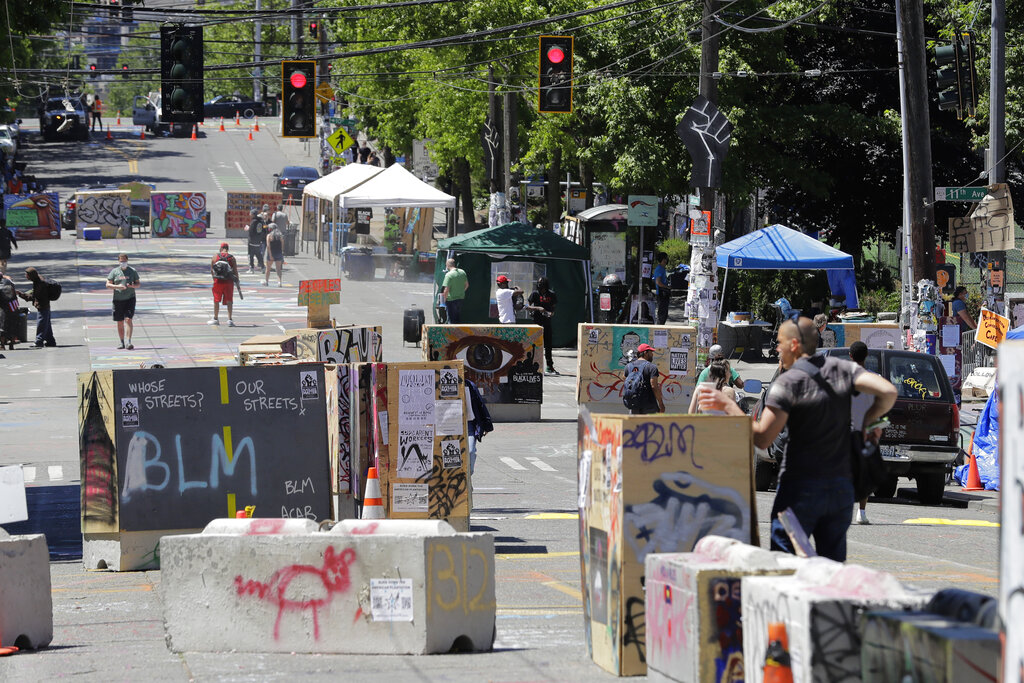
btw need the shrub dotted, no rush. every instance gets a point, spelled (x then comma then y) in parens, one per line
(678, 251)
(878, 300)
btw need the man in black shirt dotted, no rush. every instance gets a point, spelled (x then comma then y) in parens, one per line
(542, 303)
(40, 298)
(257, 233)
(812, 396)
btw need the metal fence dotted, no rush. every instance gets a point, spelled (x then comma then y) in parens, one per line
(974, 354)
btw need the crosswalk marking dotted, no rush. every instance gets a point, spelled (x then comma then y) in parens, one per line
(512, 463)
(30, 474)
(55, 472)
(541, 465)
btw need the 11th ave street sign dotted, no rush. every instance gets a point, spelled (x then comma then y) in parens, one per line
(960, 194)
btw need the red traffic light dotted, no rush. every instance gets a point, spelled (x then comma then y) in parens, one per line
(297, 79)
(124, 67)
(92, 67)
(556, 54)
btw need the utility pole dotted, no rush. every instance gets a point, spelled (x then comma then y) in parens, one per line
(296, 32)
(494, 115)
(997, 95)
(257, 51)
(510, 143)
(920, 207)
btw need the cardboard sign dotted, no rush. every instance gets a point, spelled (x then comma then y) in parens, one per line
(992, 328)
(992, 220)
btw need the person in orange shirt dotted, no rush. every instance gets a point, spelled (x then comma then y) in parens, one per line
(97, 113)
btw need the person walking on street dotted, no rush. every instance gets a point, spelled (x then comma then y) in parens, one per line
(280, 219)
(97, 113)
(960, 313)
(40, 298)
(256, 233)
(542, 304)
(453, 288)
(124, 280)
(859, 406)
(650, 400)
(6, 240)
(812, 395)
(478, 421)
(504, 296)
(662, 290)
(225, 273)
(8, 312)
(275, 254)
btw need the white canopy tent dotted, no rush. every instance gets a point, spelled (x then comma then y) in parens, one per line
(325, 191)
(395, 187)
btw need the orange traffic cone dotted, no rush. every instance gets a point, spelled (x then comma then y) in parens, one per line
(119, 118)
(973, 478)
(195, 131)
(776, 660)
(257, 127)
(373, 506)
(221, 124)
(250, 135)
(142, 133)
(9, 650)
(238, 122)
(109, 136)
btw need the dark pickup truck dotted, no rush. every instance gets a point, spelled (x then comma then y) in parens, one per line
(922, 440)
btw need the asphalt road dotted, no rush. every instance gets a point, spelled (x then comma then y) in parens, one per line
(108, 625)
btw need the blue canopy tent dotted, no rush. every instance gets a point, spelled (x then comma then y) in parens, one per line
(780, 248)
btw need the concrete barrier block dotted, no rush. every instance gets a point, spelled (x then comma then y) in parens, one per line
(380, 587)
(125, 551)
(255, 526)
(693, 600)
(26, 609)
(820, 605)
(927, 647)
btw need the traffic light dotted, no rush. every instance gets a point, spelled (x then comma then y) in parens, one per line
(124, 71)
(555, 76)
(968, 74)
(92, 71)
(298, 101)
(181, 73)
(314, 30)
(947, 75)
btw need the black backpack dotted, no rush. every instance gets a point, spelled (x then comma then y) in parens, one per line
(222, 268)
(635, 386)
(53, 289)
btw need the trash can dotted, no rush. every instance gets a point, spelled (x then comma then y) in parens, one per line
(290, 234)
(358, 263)
(610, 299)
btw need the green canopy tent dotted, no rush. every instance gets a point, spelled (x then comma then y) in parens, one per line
(523, 253)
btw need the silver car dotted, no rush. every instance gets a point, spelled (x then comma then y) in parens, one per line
(8, 141)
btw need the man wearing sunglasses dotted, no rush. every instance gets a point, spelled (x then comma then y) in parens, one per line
(812, 396)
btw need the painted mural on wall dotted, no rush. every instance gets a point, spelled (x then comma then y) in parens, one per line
(605, 350)
(33, 216)
(504, 361)
(875, 335)
(179, 214)
(107, 211)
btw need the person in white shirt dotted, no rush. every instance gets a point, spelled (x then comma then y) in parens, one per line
(504, 295)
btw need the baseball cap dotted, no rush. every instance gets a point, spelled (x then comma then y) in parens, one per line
(643, 348)
(716, 351)
(224, 245)
(502, 278)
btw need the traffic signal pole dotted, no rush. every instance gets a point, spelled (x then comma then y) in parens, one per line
(997, 95)
(257, 51)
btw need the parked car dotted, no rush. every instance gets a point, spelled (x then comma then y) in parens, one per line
(293, 179)
(65, 119)
(228, 105)
(8, 141)
(922, 440)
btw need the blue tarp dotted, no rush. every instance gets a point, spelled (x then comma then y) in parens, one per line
(986, 446)
(780, 248)
(1016, 333)
(844, 283)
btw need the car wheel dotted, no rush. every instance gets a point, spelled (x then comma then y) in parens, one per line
(931, 486)
(764, 475)
(249, 113)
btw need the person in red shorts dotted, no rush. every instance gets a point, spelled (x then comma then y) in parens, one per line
(225, 273)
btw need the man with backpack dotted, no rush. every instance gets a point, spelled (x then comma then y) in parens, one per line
(257, 237)
(641, 392)
(43, 293)
(812, 396)
(225, 275)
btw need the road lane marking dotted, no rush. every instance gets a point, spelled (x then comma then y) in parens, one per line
(554, 515)
(563, 588)
(541, 465)
(535, 556)
(952, 522)
(55, 472)
(30, 474)
(512, 463)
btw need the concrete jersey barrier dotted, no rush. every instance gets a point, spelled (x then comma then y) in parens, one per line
(26, 608)
(365, 587)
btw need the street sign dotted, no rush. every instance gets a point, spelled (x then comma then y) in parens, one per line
(960, 194)
(643, 210)
(340, 140)
(325, 92)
